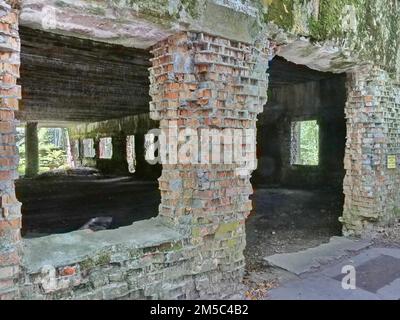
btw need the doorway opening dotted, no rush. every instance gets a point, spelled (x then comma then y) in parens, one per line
(298, 186)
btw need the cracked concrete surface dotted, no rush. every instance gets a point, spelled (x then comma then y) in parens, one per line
(377, 273)
(313, 258)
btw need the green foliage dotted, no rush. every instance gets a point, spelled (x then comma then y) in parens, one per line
(309, 143)
(50, 156)
(191, 7)
(21, 150)
(52, 159)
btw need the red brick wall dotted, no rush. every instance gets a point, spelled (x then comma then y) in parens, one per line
(202, 81)
(10, 213)
(371, 188)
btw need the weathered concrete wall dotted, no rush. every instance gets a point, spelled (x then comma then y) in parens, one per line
(327, 35)
(323, 101)
(144, 261)
(118, 130)
(142, 23)
(336, 35)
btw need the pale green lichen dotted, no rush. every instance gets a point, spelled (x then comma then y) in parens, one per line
(87, 264)
(103, 259)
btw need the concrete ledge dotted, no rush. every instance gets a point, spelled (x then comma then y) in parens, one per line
(64, 249)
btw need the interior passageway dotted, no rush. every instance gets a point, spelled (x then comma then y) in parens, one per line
(98, 94)
(298, 185)
(63, 204)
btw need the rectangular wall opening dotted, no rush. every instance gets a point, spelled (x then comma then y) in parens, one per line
(298, 185)
(84, 104)
(304, 147)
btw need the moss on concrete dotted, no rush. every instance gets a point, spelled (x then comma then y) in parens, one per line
(191, 7)
(280, 12)
(330, 18)
(87, 264)
(173, 246)
(103, 259)
(372, 35)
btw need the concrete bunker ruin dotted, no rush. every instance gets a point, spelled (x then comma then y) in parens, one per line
(201, 75)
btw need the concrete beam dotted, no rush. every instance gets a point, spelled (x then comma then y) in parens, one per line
(70, 79)
(141, 23)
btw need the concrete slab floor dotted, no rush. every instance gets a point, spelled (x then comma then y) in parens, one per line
(282, 220)
(377, 277)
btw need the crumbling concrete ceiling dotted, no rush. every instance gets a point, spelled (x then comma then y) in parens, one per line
(282, 73)
(336, 35)
(70, 79)
(141, 23)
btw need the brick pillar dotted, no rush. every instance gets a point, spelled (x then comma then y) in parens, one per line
(32, 149)
(200, 81)
(371, 188)
(10, 216)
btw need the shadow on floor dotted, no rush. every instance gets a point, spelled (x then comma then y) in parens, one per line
(64, 204)
(286, 220)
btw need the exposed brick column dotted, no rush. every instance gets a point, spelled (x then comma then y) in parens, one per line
(32, 149)
(201, 81)
(371, 188)
(10, 213)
